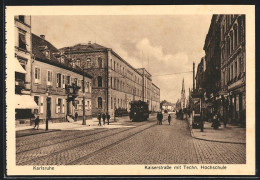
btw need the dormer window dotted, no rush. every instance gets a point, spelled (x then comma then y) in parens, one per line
(47, 54)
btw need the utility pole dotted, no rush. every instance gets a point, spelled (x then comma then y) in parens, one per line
(193, 76)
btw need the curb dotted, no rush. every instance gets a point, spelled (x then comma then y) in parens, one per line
(31, 134)
(210, 140)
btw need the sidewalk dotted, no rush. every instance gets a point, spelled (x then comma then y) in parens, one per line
(91, 124)
(228, 134)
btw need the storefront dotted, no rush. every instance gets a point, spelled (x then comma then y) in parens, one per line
(25, 107)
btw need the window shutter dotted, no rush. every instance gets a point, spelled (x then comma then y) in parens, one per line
(90, 88)
(89, 104)
(63, 105)
(41, 104)
(57, 107)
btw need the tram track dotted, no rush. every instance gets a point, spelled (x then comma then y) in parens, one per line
(84, 143)
(71, 133)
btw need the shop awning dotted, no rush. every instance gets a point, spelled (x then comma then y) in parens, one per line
(18, 67)
(25, 102)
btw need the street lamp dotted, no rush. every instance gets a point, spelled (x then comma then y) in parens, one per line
(84, 120)
(47, 112)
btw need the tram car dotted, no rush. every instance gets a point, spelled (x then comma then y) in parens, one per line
(139, 111)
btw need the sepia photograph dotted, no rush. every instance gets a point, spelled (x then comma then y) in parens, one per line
(158, 90)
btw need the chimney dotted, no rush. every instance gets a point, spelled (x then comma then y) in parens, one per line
(42, 36)
(89, 42)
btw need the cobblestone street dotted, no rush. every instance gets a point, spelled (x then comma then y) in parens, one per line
(136, 143)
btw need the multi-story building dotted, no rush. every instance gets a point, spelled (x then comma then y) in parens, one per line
(212, 57)
(233, 67)
(51, 72)
(115, 82)
(155, 100)
(23, 47)
(200, 75)
(147, 86)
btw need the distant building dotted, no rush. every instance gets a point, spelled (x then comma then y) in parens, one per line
(168, 106)
(155, 99)
(115, 82)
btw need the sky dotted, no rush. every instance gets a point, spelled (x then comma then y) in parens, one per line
(166, 45)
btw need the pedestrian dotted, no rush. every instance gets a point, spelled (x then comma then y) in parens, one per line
(104, 118)
(108, 118)
(36, 122)
(76, 116)
(169, 119)
(99, 119)
(158, 118)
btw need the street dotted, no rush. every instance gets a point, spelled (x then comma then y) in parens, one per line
(136, 143)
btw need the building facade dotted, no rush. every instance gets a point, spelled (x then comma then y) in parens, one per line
(155, 100)
(212, 57)
(22, 61)
(52, 72)
(233, 67)
(115, 82)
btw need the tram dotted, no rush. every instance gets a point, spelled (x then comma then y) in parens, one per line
(139, 111)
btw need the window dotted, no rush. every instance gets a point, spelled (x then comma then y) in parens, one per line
(87, 86)
(22, 40)
(99, 102)
(21, 18)
(111, 81)
(37, 74)
(63, 81)
(47, 54)
(82, 85)
(100, 62)
(88, 107)
(235, 69)
(88, 63)
(114, 65)
(235, 36)
(99, 81)
(49, 77)
(111, 63)
(114, 83)
(59, 105)
(76, 81)
(36, 99)
(58, 80)
(68, 80)
(111, 103)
